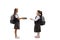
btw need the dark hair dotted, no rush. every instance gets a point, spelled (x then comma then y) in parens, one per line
(39, 12)
(15, 10)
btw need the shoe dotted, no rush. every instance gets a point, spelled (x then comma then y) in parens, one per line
(17, 37)
(37, 36)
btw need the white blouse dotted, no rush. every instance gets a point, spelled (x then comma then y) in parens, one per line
(16, 16)
(37, 18)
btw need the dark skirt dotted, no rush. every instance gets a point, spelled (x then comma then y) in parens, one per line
(37, 28)
(17, 25)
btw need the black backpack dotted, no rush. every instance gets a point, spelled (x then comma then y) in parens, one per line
(12, 20)
(42, 21)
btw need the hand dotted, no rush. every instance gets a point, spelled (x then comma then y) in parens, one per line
(31, 19)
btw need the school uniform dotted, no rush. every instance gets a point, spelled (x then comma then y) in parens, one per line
(37, 21)
(17, 22)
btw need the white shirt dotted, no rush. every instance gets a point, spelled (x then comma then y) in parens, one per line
(16, 16)
(37, 18)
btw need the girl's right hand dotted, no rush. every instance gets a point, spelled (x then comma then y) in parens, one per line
(31, 19)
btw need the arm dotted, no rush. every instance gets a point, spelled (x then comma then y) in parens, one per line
(23, 18)
(20, 18)
(35, 19)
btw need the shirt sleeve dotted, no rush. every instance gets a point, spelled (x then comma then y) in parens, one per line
(37, 18)
(16, 16)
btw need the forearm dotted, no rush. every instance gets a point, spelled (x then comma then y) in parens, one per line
(23, 18)
(20, 18)
(33, 19)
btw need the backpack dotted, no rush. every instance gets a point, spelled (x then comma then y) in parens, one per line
(42, 21)
(12, 20)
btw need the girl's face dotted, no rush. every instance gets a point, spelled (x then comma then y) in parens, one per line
(38, 14)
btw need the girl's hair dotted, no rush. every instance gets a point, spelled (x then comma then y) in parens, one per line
(39, 12)
(15, 10)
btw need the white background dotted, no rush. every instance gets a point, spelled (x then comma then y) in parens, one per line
(28, 8)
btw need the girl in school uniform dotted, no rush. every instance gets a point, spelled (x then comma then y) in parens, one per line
(17, 22)
(37, 22)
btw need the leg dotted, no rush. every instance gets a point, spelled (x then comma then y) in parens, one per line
(16, 28)
(15, 33)
(37, 30)
(38, 35)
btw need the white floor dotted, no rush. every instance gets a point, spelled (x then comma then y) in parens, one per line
(28, 8)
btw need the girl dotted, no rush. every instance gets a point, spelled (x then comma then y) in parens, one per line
(17, 22)
(37, 22)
